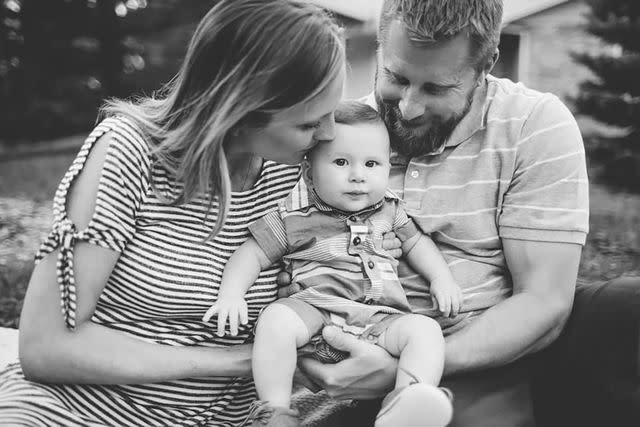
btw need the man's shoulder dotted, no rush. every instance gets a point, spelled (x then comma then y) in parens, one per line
(508, 99)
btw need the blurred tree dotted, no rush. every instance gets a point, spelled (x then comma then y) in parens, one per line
(60, 58)
(613, 97)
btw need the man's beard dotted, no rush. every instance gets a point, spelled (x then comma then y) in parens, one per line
(415, 143)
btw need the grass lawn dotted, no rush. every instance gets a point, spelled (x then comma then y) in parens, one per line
(27, 187)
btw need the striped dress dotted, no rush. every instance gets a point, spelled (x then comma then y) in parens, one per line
(165, 279)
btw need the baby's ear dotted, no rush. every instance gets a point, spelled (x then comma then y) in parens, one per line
(306, 172)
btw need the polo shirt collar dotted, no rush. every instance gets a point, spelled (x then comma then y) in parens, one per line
(473, 121)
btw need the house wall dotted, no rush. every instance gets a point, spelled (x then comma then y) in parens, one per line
(547, 40)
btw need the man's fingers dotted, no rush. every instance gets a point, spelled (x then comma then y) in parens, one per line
(299, 377)
(315, 369)
(396, 253)
(340, 340)
(209, 314)
(287, 291)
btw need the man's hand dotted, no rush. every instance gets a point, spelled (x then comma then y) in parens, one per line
(234, 309)
(368, 373)
(392, 244)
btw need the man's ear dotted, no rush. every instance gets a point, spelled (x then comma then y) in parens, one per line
(491, 62)
(306, 172)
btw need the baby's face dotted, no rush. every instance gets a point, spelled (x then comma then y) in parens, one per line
(351, 172)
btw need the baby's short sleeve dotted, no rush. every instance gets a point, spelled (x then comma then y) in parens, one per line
(122, 187)
(270, 234)
(403, 226)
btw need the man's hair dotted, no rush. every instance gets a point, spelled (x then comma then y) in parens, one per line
(429, 21)
(354, 112)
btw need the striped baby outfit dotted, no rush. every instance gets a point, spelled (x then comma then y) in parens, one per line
(336, 257)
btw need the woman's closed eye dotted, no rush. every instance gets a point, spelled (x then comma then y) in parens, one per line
(310, 126)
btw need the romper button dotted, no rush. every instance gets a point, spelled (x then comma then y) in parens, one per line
(357, 240)
(415, 174)
(371, 264)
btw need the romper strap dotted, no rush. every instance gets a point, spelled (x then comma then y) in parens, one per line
(64, 237)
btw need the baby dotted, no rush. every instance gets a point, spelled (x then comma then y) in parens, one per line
(329, 231)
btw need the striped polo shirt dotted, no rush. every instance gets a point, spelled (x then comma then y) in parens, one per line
(514, 168)
(336, 257)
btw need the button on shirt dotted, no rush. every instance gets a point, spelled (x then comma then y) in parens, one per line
(337, 257)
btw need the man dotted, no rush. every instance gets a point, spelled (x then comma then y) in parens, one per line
(495, 173)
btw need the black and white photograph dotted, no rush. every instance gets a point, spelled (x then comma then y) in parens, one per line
(322, 213)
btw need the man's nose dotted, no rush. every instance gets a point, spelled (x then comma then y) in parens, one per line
(327, 129)
(411, 105)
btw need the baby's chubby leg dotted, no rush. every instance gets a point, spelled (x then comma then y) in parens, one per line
(418, 342)
(279, 333)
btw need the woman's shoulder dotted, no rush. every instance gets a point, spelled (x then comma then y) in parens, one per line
(124, 135)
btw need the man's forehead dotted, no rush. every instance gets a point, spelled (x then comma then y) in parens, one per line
(447, 58)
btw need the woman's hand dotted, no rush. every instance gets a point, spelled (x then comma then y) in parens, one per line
(392, 244)
(368, 373)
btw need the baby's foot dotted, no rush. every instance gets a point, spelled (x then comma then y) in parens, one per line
(416, 405)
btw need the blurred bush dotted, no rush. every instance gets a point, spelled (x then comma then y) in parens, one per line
(60, 58)
(613, 96)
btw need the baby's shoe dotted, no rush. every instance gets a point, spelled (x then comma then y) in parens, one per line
(262, 414)
(416, 405)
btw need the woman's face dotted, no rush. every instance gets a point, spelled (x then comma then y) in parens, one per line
(292, 132)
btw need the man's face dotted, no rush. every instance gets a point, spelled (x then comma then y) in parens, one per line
(423, 91)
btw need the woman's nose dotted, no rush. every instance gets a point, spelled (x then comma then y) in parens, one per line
(327, 129)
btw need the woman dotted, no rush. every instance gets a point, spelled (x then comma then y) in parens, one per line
(158, 198)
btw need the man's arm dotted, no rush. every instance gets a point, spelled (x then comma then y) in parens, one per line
(544, 276)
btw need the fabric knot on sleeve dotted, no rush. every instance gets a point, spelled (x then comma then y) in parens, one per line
(65, 236)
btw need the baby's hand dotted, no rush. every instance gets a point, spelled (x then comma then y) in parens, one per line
(235, 309)
(447, 296)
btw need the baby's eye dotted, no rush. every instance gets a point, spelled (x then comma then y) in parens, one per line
(371, 163)
(340, 162)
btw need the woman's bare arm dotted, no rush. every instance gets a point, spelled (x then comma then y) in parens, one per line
(93, 353)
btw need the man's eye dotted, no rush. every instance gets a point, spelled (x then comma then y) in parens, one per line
(371, 163)
(340, 162)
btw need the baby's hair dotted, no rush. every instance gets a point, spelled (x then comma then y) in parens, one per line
(354, 112)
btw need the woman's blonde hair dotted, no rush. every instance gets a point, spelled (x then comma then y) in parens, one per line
(247, 60)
